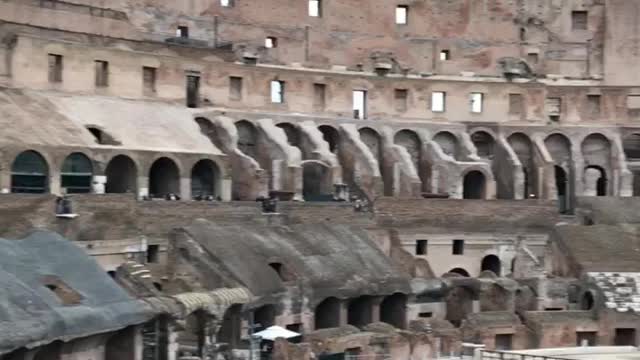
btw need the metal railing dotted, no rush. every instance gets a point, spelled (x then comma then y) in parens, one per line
(500, 355)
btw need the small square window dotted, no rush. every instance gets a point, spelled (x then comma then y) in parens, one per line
(445, 55)
(438, 101)
(182, 32)
(532, 58)
(476, 100)
(270, 42)
(593, 105)
(277, 92)
(422, 247)
(402, 15)
(315, 8)
(152, 254)
(458, 247)
(553, 106)
(319, 96)
(579, 20)
(401, 96)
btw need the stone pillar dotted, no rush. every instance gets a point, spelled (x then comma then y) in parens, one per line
(591, 177)
(375, 308)
(225, 189)
(344, 312)
(54, 182)
(143, 187)
(185, 188)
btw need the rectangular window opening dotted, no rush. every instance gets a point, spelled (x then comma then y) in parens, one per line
(516, 104)
(425, 315)
(226, 3)
(593, 105)
(149, 79)
(476, 100)
(586, 338)
(445, 55)
(633, 102)
(401, 96)
(193, 91)
(152, 254)
(402, 14)
(271, 42)
(422, 247)
(102, 73)
(182, 32)
(319, 96)
(55, 68)
(277, 92)
(458, 247)
(579, 20)
(359, 104)
(504, 341)
(553, 106)
(625, 337)
(315, 8)
(532, 58)
(438, 101)
(235, 88)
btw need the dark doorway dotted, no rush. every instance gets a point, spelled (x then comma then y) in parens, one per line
(474, 185)
(164, 178)
(586, 338)
(193, 91)
(316, 182)
(264, 317)
(393, 310)
(504, 341)
(77, 173)
(29, 174)
(327, 314)
(231, 330)
(204, 179)
(601, 184)
(491, 263)
(360, 311)
(121, 175)
(561, 188)
(625, 337)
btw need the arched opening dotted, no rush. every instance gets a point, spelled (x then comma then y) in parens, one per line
(316, 181)
(284, 273)
(393, 310)
(51, 351)
(474, 185)
(587, 301)
(77, 173)
(121, 175)
(595, 180)
(373, 141)
(264, 317)
(331, 136)
(293, 135)
(360, 311)
(561, 187)
(247, 138)
(491, 263)
(29, 174)
(121, 345)
(410, 141)
(521, 145)
(559, 148)
(191, 338)
(231, 330)
(164, 178)
(631, 145)
(327, 314)
(459, 303)
(459, 271)
(448, 143)
(204, 179)
(484, 143)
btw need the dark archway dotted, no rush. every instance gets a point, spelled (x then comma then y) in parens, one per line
(521, 145)
(587, 302)
(121, 175)
(474, 185)
(448, 143)
(331, 136)
(76, 174)
(491, 263)
(360, 311)
(601, 182)
(561, 188)
(231, 330)
(292, 132)
(327, 314)
(205, 179)
(164, 178)
(29, 173)
(316, 181)
(631, 145)
(410, 141)
(393, 310)
(247, 138)
(484, 143)
(264, 317)
(459, 271)
(373, 141)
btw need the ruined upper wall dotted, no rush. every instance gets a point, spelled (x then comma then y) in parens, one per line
(622, 43)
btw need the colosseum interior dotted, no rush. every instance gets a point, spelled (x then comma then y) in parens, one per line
(383, 180)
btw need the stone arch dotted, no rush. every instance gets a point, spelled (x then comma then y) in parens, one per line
(316, 181)
(373, 141)
(587, 302)
(393, 310)
(164, 178)
(76, 174)
(331, 136)
(230, 331)
(122, 175)
(410, 141)
(205, 179)
(327, 313)
(30, 173)
(459, 271)
(474, 185)
(265, 316)
(448, 143)
(360, 311)
(247, 138)
(484, 143)
(521, 144)
(562, 187)
(459, 303)
(491, 263)
(595, 181)
(559, 147)
(292, 132)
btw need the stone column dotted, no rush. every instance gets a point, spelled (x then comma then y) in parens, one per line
(185, 188)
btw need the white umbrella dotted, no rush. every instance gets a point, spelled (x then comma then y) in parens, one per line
(275, 332)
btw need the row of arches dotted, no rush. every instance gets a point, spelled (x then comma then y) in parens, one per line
(490, 263)
(30, 173)
(360, 311)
